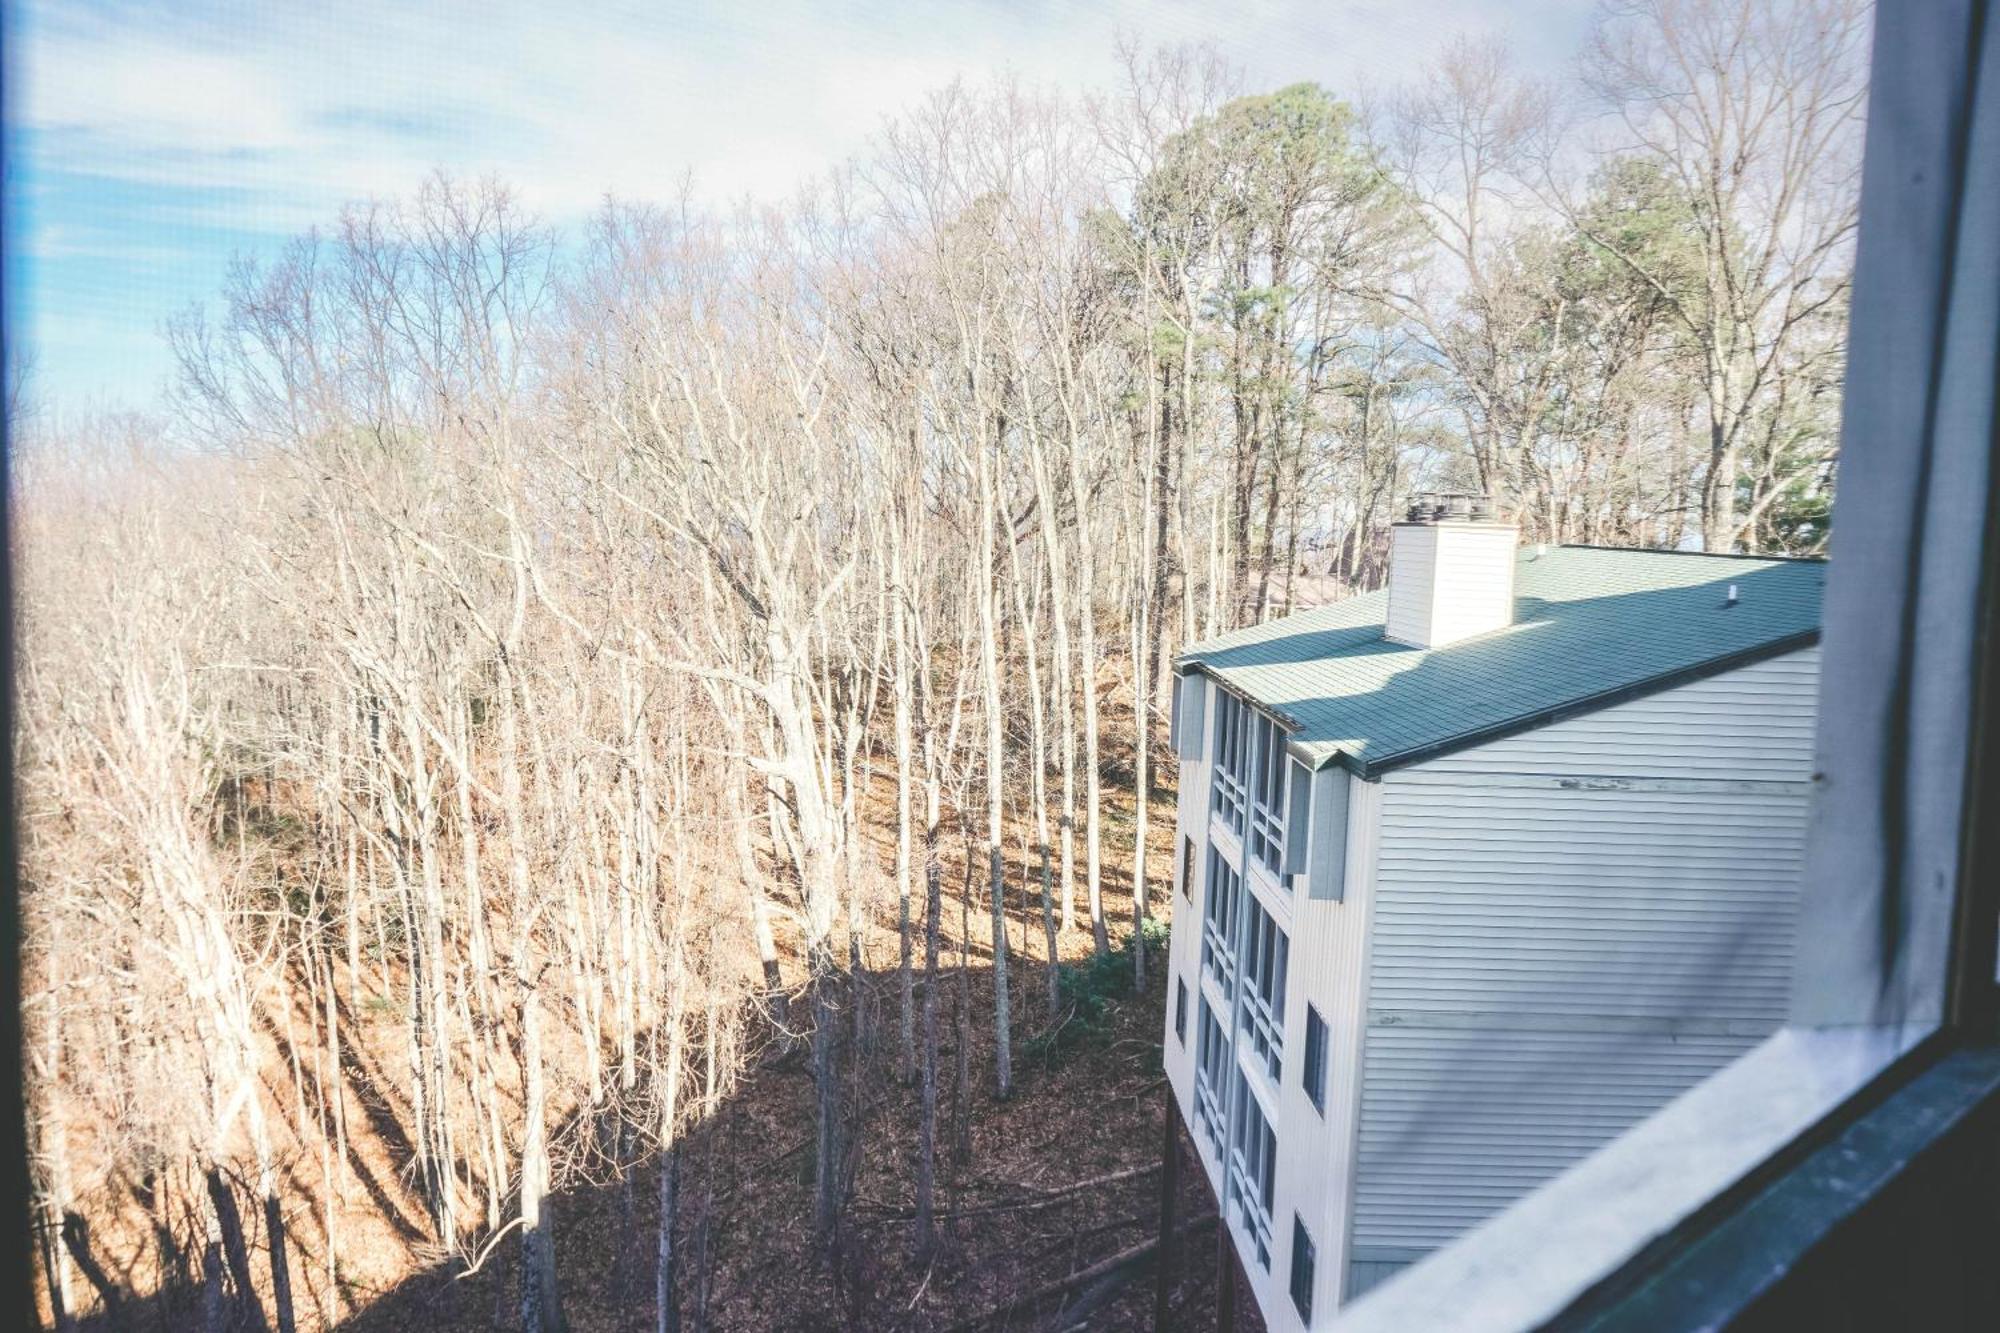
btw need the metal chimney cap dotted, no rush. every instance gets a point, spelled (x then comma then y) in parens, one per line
(1451, 506)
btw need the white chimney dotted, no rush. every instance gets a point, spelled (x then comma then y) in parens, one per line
(1451, 571)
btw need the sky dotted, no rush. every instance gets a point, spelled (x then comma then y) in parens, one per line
(148, 144)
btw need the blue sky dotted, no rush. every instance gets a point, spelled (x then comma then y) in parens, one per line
(149, 143)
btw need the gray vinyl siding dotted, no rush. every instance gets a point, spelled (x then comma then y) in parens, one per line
(1326, 859)
(1363, 1273)
(1571, 926)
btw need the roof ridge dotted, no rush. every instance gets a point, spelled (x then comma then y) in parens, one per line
(1710, 555)
(1603, 630)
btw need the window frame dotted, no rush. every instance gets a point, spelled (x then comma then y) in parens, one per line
(1221, 918)
(1269, 803)
(1211, 1104)
(1263, 962)
(1250, 1166)
(1230, 761)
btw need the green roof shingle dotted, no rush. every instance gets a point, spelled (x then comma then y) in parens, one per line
(1592, 626)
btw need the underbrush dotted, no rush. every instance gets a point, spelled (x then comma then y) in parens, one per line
(1091, 991)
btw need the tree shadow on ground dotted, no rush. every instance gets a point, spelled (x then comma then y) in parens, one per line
(1032, 1192)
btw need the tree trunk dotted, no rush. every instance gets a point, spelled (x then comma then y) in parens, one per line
(961, 1088)
(1142, 781)
(1143, 607)
(826, 1098)
(665, 1302)
(746, 869)
(55, 1271)
(1268, 553)
(666, 1291)
(76, 1239)
(281, 1272)
(229, 1227)
(1093, 766)
(1038, 762)
(1718, 519)
(625, 1241)
(928, 1107)
(996, 882)
(704, 1269)
(1159, 647)
(214, 1305)
(905, 799)
(541, 1297)
(1063, 690)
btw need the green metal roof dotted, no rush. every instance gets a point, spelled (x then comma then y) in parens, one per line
(1592, 626)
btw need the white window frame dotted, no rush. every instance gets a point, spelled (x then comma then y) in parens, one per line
(1231, 760)
(1263, 1017)
(1211, 1104)
(1222, 887)
(1268, 800)
(1248, 1211)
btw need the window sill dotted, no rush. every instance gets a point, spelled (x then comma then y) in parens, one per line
(1532, 1261)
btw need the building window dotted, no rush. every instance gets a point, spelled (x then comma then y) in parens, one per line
(1234, 722)
(1265, 953)
(1218, 923)
(1303, 1264)
(1267, 794)
(1180, 1010)
(1211, 1066)
(1315, 1059)
(1187, 867)
(1253, 1171)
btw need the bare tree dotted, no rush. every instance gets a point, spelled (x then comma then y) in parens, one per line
(1752, 115)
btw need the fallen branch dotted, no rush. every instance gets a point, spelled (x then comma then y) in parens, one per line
(486, 1251)
(1043, 1200)
(1072, 1316)
(1110, 1264)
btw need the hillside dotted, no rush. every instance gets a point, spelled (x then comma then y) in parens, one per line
(1049, 1184)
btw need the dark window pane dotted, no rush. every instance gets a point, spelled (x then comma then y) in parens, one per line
(1304, 1261)
(1315, 1059)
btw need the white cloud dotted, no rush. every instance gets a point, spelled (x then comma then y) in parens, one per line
(157, 97)
(289, 110)
(153, 139)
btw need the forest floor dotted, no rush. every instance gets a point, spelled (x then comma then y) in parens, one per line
(1048, 1184)
(1034, 1194)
